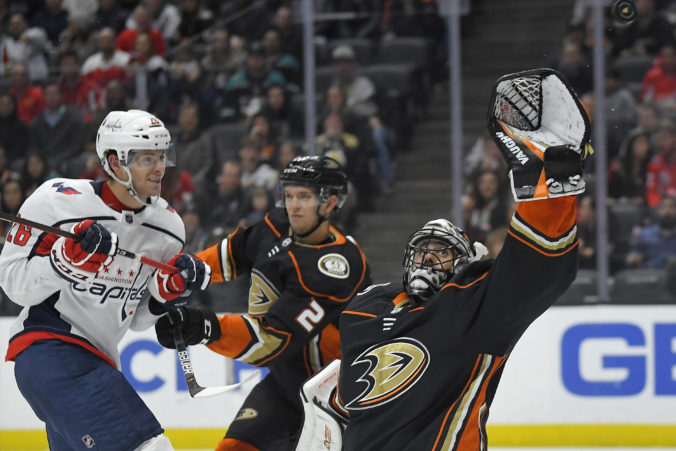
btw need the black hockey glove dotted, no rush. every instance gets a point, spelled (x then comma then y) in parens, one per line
(198, 325)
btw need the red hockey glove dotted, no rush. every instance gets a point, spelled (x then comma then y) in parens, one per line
(193, 274)
(80, 260)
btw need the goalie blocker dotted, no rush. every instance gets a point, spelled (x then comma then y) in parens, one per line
(542, 130)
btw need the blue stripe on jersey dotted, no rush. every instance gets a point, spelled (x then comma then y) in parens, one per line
(44, 316)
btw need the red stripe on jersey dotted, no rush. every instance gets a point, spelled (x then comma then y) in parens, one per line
(45, 246)
(19, 344)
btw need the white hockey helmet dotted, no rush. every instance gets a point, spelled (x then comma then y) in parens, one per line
(422, 278)
(126, 131)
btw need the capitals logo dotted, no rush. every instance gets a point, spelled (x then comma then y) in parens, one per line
(61, 188)
(392, 368)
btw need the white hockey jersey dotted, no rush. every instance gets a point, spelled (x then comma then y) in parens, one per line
(98, 314)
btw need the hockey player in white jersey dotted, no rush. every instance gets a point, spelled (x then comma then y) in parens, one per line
(79, 298)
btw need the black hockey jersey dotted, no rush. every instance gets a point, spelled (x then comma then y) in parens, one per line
(423, 376)
(296, 294)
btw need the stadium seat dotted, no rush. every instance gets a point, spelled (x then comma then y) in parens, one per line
(404, 50)
(583, 289)
(633, 68)
(226, 139)
(323, 78)
(363, 49)
(623, 218)
(641, 286)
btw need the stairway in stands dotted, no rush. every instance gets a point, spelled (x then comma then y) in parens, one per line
(502, 37)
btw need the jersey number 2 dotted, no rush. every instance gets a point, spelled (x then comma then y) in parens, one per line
(311, 316)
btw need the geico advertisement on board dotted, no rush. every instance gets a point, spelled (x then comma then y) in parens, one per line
(156, 374)
(592, 365)
(574, 365)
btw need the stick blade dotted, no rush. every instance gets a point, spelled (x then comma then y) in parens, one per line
(205, 392)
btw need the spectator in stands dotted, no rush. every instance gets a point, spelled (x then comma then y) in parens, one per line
(645, 35)
(77, 37)
(189, 83)
(495, 240)
(255, 171)
(196, 237)
(195, 19)
(110, 15)
(127, 39)
(228, 204)
(627, 172)
(648, 121)
(336, 143)
(222, 59)
(114, 100)
(78, 91)
(285, 121)
(661, 177)
(261, 203)
(284, 63)
(484, 155)
(490, 206)
(245, 91)
(13, 131)
(93, 169)
(620, 110)
(659, 83)
(6, 173)
(575, 67)
(287, 152)
(56, 133)
(194, 149)
(149, 75)
(361, 100)
(108, 63)
(586, 229)
(27, 46)
(165, 17)
(12, 197)
(655, 245)
(29, 98)
(81, 11)
(52, 18)
(290, 34)
(177, 188)
(35, 172)
(369, 16)
(259, 131)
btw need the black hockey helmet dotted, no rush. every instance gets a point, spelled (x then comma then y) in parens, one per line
(424, 278)
(325, 174)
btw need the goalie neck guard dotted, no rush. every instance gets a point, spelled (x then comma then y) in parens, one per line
(425, 270)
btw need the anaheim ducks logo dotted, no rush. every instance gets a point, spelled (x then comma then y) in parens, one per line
(334, 265)
(393, 367)
(246, 414)
(262, 294)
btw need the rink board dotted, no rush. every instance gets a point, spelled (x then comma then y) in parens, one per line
(580, 376)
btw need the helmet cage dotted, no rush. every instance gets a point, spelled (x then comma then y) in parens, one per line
(422, 277)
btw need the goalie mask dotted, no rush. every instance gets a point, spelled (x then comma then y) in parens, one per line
(433, 255)
(126, 132)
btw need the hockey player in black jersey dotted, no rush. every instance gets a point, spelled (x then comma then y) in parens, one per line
(421, 360)
(303, 272)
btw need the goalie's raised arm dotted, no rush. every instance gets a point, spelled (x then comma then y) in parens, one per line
(542, 130)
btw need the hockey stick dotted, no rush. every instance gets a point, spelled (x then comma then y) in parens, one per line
(195, 389)
(56, 231)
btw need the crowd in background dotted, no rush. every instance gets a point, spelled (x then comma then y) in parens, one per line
(227, 79)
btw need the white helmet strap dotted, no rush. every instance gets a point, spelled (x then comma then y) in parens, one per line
(129, 184)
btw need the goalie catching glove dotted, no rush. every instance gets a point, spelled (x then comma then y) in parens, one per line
(80, 260)
(542, 130)
(198, 325)
(193, 274)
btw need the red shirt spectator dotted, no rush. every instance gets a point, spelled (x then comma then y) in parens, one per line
(107, 64)
(661, 172)
(659, 83)
(127, 38)
(78, 91)
(29, 99)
